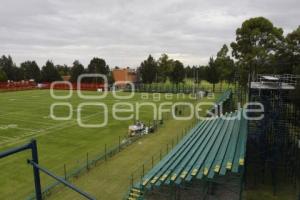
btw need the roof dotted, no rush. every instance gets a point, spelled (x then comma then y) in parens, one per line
(271, 78)
(212, 147)
(271, 86)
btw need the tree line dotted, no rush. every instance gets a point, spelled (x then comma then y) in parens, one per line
(259, 47)
(49, 72)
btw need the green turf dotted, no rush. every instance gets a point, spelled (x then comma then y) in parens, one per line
(25, 115)
(220, 86)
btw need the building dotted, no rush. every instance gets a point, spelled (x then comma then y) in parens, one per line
(124, 75)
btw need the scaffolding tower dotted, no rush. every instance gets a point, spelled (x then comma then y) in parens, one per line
(273, 142)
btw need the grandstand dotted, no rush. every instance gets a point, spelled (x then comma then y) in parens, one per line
(210, 155)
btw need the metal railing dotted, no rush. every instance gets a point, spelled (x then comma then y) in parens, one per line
(37, 168)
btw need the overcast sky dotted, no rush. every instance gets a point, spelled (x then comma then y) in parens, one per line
(125, 32)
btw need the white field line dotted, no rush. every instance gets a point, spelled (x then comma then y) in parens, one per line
(24, 115)
(6, 138)
(26, 129)
(27, 121)
(47, 130)
(2, 115)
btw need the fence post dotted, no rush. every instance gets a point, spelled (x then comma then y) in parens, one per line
(65, 171)
(87, 160)
(152, 161)
(119, 143)
(143, 170)
(36, 172)
(131, 180)
(105, 152)
(160, 155)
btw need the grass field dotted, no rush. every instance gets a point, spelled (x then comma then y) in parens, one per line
(25, 115)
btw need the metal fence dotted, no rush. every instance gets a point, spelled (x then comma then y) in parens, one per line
(91, 161)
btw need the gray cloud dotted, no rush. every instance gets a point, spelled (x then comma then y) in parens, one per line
(125, 32)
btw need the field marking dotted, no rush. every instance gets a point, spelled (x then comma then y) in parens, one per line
(27, 121)
(6, 138)
(46, 130)
(56, 127)
(26, 129)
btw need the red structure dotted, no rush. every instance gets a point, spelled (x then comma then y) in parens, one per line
(125, 74)
(28, 85)
(75, 86)
(14, 86)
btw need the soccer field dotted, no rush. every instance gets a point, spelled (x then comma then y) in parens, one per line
(26, 114)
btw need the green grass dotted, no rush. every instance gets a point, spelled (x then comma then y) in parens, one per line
(25, 115)
(112, 179)
(189, 83)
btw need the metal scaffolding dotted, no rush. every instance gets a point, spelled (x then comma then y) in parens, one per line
(272, 146)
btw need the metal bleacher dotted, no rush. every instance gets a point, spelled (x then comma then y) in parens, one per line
(213, 147)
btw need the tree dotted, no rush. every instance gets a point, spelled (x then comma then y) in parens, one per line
(76, 70)
(31, 70)
(178, 73)
(288, 56)
(50, 73)
(18, 73)
(188, 72)
(225, 65)
(148, 70)
(8, 67)
(201, 73)
(165, 67)
(257, 41)
(3, 76)
(98, 65)
(212, 73)
(63, 70)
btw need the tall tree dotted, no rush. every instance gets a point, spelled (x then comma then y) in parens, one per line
(50, 73)
(225, 65)
(188, 72)
(63, 70)
(148, 70)
(3, 76)
(7, 65)
(18, 73)
(165, 67)
(256, 42)
(76, 70)
(31, 70)
(212, 73)
(201, 73)
(98, 65)
(293, 43)
(178, 73)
